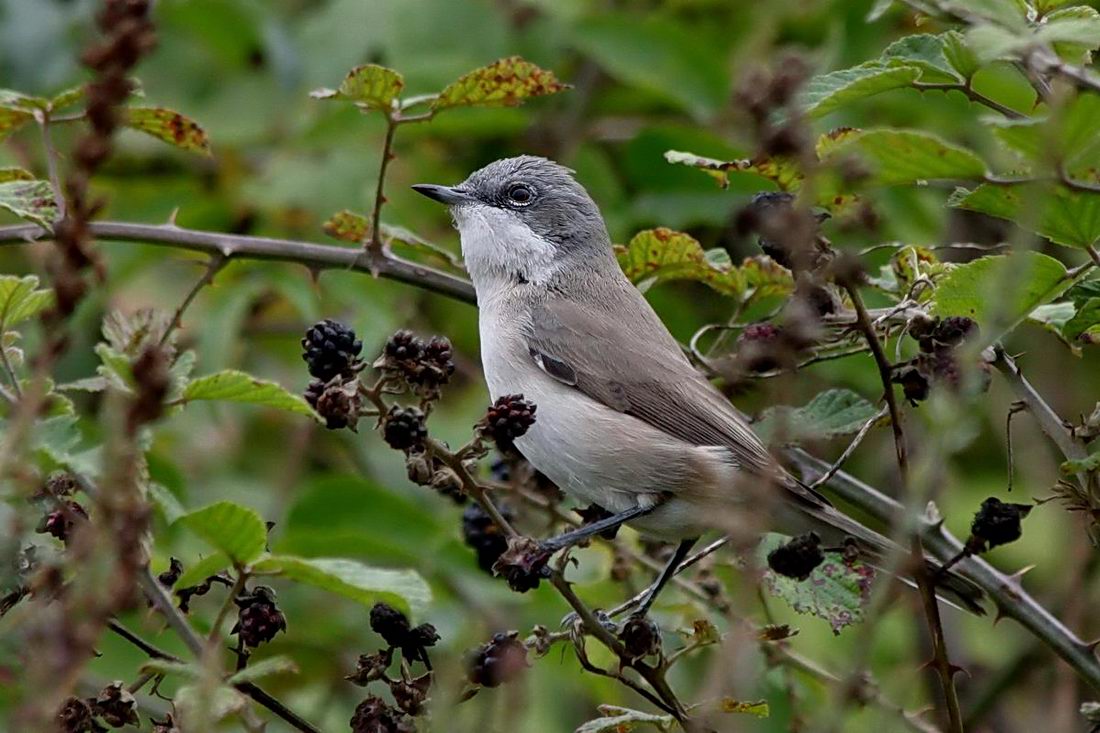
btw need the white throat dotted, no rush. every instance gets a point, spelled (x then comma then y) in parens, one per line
(500, 249)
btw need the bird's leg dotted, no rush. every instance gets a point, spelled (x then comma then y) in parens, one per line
(666, 575)
(584, 532)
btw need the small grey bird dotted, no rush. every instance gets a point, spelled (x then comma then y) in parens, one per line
(624, 420)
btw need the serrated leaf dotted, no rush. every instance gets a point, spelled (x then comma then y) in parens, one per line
(764, 278)
(1072, 32)
(236, 386)
(898, 157)
(1084, 465)
(827, 92)
(784, 173)
(838, 589)
(369, 86)
(1008, 13)
(233, 529)
(351, 227)
(362, 583)
(1000, 291)
(203, 569)
(623, 720)
(169, 126)
(506, 82)
(829, 414)
(30, 200)
(347, 226)
(926, 52)
(17, 100)
(14, 173)
(20, 299)
(961, 57)
(1070, 218)
(1086, 317)
(264, 668)
(115, 368)
(67, 98)
(660, 255)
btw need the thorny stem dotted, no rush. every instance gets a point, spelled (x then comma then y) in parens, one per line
(213, 267)
(375, 244)
(925, 584)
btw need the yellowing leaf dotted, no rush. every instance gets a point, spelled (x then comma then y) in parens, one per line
(369, 86)
(31, 200)
(15, 174)
(660, 255)
(12, 119)
(505, 82)
(348, 226)
(169, 126)
(783, 173)
(759, 708)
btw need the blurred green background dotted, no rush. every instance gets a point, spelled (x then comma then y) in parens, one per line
(648, 76)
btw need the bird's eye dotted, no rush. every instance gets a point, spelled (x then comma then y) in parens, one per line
(520, 194)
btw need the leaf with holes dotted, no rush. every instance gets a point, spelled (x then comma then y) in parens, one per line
(1000, 291)
(506, 82)
(1070, 218)
(30, 200)
(782, 172)
(234, 530)
(235, 386)
(829, 414)
(828, 92)
(169, 126)
(362, 583)
(838, 589)
(898, 157)
(20, 299)
(369, 87)
(660, 255)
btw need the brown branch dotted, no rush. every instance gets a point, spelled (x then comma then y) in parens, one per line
(213, 267)
(972, 95)
(375, 245)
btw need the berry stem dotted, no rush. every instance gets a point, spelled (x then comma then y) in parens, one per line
(226, 607)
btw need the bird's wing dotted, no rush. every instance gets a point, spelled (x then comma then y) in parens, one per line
(631, 364)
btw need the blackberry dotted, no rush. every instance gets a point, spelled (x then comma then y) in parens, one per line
(373, 715)
(169, 577)
(798, 557)
(996, 523)
(116, 706)
(502, 659)
(403, 428)
(914, 384)
(508, 418)
(435, 365)
(338, 404)
(480, 533)
(403, 346)
(417, 642)
(60, 522)
(523, 565)
(953, 330)
(259, 619)
(640, 637)
(330, 349)
(390, 624)
(75, 716)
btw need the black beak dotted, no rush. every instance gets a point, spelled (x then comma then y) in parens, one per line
(443, 194)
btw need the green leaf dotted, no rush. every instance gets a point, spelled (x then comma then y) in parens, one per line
(1007, 13)
(959, 54)
(1072, 32)
(188, 670)
(20, 299)
(236, 530)
(926, 52)
(169, 126)
(838, 589)
(203, 569)
(1071, 218)
(352, 227)
(990, 42)
(370, 87)
(17, 100)
(362, 583)
(828, 92)
(67, 98)
(829, 414)
(264, 668)
(1000, 291)
(899, 157)
(30, 200)
(1086, 317)
(236, 386)
(758, 709)
(12, 119)
(506, 82)
(14, 173)
(784, 173)
(622, 720)
(660, 255)
(115, 368)
(167, 502)
(1084, 465)
(198, 706)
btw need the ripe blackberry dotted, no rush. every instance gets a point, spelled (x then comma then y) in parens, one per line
(403, 346)
(60, 522)
(798, 557)
(480, 533)
(330, 348)
(996, 523)
(116, 706)
(435, 365)
(259, 619)
(403, 428)
(75, 716)
(640, 637)
(390, 624)
(373, 715)
(507, 419)
(502, 659)
(416, 645)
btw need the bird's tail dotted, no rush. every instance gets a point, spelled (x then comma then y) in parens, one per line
(834, 527)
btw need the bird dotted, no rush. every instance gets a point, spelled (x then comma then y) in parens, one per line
(624, 420)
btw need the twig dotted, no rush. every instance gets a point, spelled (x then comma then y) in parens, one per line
(1014, 408)
(864, 429)
(227, 605)
(972, 95)
(687, 563)
(925, 585)
(213, 267)
(375, 244)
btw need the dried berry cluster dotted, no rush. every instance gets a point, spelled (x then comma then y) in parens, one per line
(483, 535)
(508, 418)
(523, 565)
(500, 660)
(113, 707)
(423, 366)
(410, 694)
(996, 523)
(797, 557)
(331, 352)
(937, 361)
(258, 617)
